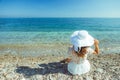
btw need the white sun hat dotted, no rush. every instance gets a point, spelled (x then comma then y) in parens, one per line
(81, 38)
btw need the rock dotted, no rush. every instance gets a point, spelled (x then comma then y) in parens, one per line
(88, 78)
(1, 66)
(2, 78)
(69, 78)
(80, 78)
(60, 77)
(23, 79)
(99, 70)
(94, 78)
(9, 76)
(39, 77)
(51, 77)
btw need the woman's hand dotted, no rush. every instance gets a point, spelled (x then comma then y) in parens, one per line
(96, 42)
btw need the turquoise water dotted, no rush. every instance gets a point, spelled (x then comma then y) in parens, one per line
(58, 30)
(59, 24)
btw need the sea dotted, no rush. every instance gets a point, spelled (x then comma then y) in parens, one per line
(46, 36)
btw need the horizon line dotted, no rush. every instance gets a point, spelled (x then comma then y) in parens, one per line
(59, 17)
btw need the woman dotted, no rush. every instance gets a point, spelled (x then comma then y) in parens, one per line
(81, 41)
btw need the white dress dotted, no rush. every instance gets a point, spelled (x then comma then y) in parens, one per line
(79, 65)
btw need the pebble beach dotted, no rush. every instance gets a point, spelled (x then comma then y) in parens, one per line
(16, 67)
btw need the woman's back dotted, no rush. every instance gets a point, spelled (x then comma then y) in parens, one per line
(77, 59)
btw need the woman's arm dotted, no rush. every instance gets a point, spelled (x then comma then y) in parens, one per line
(96, 42)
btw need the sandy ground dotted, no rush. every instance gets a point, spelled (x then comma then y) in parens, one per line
(14, 67)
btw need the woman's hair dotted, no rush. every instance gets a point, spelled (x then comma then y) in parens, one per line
(81, 52)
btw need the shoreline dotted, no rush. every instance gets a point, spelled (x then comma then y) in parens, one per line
(103, 66)
(56, 49)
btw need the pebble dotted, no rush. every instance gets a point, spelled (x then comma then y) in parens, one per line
(99, 70)
(36, 77)
(39, 77)
(88, 78)
(23, 79)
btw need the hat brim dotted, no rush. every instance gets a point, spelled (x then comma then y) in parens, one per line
(88, 41)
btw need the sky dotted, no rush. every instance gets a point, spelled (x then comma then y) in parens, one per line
(60, 8)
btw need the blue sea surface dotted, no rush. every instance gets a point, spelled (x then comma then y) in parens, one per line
(58, 31)
(59, 24)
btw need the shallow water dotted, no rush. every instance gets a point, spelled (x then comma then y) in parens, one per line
(51, 35)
